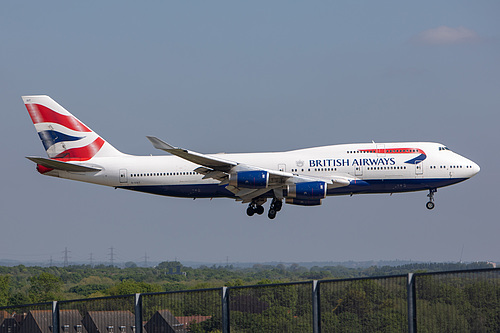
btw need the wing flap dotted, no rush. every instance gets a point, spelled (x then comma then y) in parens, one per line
(210, 173)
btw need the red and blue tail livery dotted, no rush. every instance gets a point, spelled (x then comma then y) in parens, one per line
(64, 137)
(298, 177)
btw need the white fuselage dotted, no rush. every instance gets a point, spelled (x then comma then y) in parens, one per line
(380, 168)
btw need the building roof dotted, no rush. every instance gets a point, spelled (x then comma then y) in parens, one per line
(4, 314)
(163, 321)
(109, 321)
(9, 325)
(41, 321)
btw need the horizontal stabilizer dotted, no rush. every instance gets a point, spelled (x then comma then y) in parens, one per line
(53, 164)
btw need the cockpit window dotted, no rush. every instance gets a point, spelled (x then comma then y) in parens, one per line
(444, 148)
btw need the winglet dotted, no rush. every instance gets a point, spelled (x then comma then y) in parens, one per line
(160, 144)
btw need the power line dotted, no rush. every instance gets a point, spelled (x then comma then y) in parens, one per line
(66, 257)
(112, 255)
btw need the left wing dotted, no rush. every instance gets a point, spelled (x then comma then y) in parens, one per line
(224, 170)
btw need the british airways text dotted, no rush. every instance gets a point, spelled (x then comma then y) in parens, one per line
(351, 162)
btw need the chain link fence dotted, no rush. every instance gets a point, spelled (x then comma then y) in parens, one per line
(458, 301)
(271, 308)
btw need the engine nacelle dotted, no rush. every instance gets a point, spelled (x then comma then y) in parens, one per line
(249, 179)
(293, 201)
(309, 191)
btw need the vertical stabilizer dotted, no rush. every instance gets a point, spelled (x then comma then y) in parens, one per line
(63, 136)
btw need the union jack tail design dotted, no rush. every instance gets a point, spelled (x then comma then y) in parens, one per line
(64, 137)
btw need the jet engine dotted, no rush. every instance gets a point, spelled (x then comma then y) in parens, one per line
(249, 179)
(309, 191)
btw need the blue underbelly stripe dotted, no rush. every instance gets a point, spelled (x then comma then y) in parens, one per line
(368, 186)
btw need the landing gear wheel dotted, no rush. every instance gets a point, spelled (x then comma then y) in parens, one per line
(430, 203)
(250, 211)
(274, 208)
(259, 210)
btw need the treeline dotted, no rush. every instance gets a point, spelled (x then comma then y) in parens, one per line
(32, 284)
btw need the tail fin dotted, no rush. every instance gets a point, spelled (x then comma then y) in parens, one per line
(64, 136)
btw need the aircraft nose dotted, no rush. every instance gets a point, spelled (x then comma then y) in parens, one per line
(475, 168)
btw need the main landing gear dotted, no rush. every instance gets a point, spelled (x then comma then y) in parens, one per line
(274, 208)
(430, 203)
(256, 207)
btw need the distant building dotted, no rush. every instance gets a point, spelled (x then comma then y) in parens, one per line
(109, 322)
(493, 264)
(176, 272)
(163, 321)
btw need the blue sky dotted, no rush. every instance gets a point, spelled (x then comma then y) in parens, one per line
(246, 77)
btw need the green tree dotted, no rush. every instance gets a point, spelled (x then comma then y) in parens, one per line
(44, 287)
(127, 287)
(4, 289)
(130, 264)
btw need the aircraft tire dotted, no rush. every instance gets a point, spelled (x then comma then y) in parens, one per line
(250, 211)
(430, 205)
(259, 210)
(272, 213)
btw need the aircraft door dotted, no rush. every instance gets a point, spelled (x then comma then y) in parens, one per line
(123, 175)
(358, 170)
(282, 167)
(419, 168)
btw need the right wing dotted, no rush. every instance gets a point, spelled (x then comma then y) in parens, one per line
(221, 170)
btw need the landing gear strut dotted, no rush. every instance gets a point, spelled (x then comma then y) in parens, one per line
(430, 203)
(274, 208)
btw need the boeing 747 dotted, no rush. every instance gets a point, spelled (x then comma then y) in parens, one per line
(298, 177)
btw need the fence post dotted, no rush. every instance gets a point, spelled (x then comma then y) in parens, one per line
(225, 310)
(55, 317)
(412, 304)
(316, 307)
(138, 313)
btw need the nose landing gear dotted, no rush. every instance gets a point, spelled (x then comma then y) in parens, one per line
(430, 203)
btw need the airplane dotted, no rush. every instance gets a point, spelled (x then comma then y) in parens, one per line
(298, 177)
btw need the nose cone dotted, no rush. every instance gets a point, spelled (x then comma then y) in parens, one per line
(474, 169)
